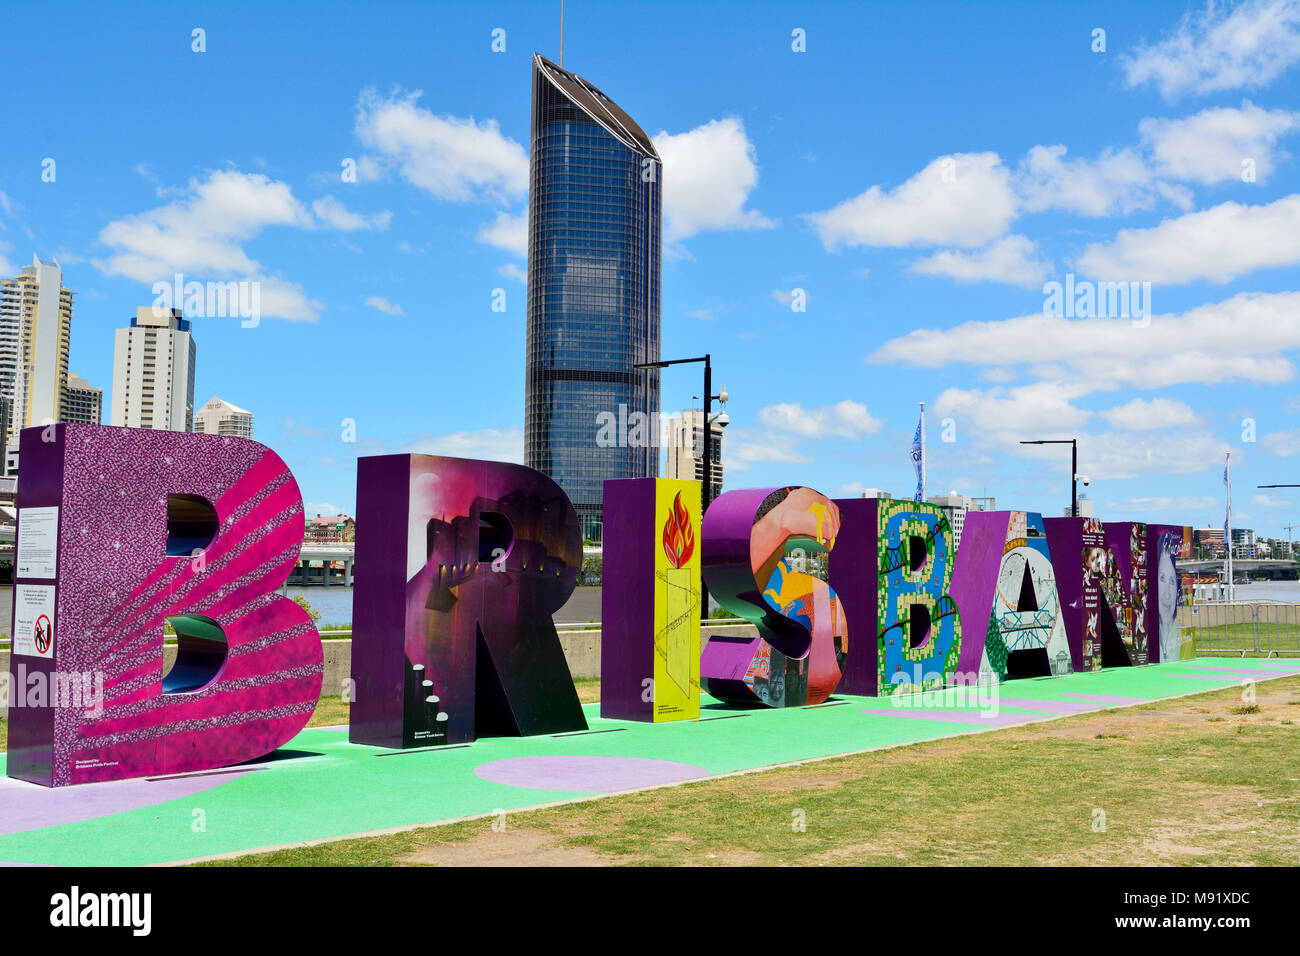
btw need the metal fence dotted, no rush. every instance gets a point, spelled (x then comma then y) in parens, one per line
(1250, 626)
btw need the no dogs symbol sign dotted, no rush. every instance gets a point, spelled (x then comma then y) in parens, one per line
(43, 636)
(34, 620)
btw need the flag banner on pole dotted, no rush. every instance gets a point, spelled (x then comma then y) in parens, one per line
(918, 458)
(1227, 513)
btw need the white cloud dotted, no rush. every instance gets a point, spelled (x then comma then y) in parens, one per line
(1117, 181)
(383, 305)
(511, 270)
(286, 300)
(1164, 503)
(313, 508)
(447, 156)
(1011, 259)
(1239, 339)
(1216, 244)
(490, 444)
(1271, 501)
(1000, 419)
(201, 234)
(1021, 412)
(1221, 48)
(1284, 444)
(1148, 415)
(1114, 456)
(333, 213)
(507, 232)
(844, 419)
(743, 447)
(962, 200)
(1209, 147)
(708, 175)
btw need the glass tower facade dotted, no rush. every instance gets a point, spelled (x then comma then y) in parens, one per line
(594, 238)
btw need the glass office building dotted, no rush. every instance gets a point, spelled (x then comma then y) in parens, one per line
(594, 227)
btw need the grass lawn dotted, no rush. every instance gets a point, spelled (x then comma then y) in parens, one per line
(1198, 780)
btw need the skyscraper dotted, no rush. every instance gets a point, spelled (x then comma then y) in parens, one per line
(686, 448)
(35, 328)
(594, 240)
(153, 372)
(82, 402)
(219, 417)
(35, 331)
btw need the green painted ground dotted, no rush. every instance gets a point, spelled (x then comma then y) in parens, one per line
(334, 789)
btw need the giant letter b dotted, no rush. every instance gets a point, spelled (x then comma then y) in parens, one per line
(121, 530)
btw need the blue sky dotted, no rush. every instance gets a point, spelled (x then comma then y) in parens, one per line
(914, 176)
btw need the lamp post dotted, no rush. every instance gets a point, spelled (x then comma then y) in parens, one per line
(1074, 467)
(707, 453)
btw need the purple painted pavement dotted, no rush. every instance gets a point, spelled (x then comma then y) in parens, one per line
(1231, 678)
(29, 806)
(1106, 698)
(586, 774)
(974, 718)
(1051, 706)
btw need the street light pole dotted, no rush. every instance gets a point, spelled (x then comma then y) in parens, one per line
(706, 455)
(1074, 467)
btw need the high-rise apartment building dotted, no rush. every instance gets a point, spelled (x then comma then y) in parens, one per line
(686, 448)
(82, 402)
(35, 330)
(1085, 509)
(222, 418)
(594, 243)
(957, 506)
(153, 372)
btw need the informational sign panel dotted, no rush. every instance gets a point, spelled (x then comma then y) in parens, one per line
(38, 541)
(34, 620)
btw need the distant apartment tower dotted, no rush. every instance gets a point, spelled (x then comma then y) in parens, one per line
(153, 372)
(35, 329)
(222, 418)
(594, 245)
(875, 493)
(958, 506)
(686, 449)
(1085, 509)
(1209, 538)
(82, 402)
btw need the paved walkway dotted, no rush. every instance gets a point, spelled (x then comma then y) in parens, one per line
(321, 787)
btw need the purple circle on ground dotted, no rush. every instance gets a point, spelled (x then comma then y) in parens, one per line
(586, 774)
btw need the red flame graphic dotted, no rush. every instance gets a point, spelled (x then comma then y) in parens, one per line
(679, 538)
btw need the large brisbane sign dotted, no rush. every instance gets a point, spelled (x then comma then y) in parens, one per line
(128, 539)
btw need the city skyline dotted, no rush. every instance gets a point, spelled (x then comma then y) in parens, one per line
(916, 221)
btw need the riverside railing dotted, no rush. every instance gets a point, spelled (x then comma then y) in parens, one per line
(1258, 627)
